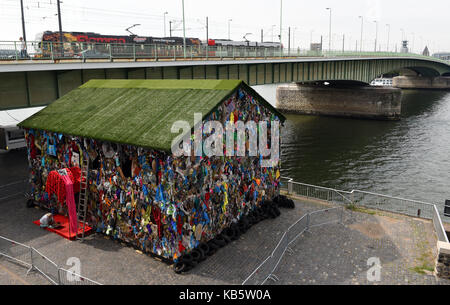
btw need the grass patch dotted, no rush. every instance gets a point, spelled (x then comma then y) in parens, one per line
(421, 269)
(355, 208)
(136, 112)
(425, 259)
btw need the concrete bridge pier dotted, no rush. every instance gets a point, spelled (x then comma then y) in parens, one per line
(421, 82)
(352, 101)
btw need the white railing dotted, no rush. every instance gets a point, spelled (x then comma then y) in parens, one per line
(438, 226)
(55, 51)
(266, 270)
(369, 200)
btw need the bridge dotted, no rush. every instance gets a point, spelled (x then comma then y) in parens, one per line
(39, 81)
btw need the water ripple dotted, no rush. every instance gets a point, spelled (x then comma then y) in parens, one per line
(409, 158)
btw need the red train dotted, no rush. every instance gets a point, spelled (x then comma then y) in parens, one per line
(87, 44)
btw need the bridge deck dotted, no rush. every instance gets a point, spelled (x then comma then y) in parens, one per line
(28, 83)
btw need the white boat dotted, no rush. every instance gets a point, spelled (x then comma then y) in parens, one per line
(382, 82)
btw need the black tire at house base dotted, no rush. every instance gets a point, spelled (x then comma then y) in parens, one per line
(179, 267)
(196, 255)
(204, 247)
(30, 203)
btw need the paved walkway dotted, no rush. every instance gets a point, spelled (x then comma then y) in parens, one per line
(337, 254)
(332, 254)
(14, 274)
(110, 262)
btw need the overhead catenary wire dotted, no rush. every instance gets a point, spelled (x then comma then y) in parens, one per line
(47, 7)
(110, 20)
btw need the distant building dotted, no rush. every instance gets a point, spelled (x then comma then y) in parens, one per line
(426, 52)
(443, 55)
(404, 48)
(317, 47)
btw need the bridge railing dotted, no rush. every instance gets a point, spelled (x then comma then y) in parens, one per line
(84, 51)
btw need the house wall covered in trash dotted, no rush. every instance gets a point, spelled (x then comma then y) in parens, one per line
(161, 204)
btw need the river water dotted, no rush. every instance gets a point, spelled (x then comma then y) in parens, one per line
(408, 158)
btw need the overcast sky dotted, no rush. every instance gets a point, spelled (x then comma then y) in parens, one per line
(423, 22)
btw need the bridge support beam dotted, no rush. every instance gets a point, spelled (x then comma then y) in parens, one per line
(421, 82)
(354, 102)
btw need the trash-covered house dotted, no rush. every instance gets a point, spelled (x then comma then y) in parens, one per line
(140, 191)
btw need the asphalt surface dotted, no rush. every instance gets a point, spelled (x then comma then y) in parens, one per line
(329, 254)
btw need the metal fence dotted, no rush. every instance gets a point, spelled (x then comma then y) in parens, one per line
(392, 204)
(55, 51)
(44, 266)
(36, 261)
(315, 192)
(344, 200)
(266, 270)
(16, 252)
(67, 277)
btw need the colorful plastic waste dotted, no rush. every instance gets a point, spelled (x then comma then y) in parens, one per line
(160, 204)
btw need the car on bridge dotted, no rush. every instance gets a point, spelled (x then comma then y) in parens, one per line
(91, 54)
(9, 54)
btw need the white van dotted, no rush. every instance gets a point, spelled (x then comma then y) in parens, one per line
(11, 136)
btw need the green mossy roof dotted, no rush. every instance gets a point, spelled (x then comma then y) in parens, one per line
(134, 112)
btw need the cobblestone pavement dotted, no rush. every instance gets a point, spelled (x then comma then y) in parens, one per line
(110, 262)
(339, 254)
(14, 274)
(332, 254)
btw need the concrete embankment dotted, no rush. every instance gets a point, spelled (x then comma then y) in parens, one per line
(420, 82)
(356, 102)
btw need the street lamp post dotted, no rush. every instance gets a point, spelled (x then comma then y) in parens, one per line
(362, 25)
(184, 32)
(376, 34)
(165, 13)
(281, 20)
(273, 30)
(289, 41)
(229, 20)
(329, 40)
(389, 33)
(421, 42)
(60, 28)
(24, 34)
(293, 37)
